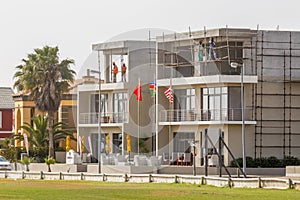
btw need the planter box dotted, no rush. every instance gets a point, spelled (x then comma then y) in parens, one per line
(60, 156)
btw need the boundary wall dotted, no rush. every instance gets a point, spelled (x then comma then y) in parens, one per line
(257, 182)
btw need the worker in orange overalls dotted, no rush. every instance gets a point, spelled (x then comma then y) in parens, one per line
(115, 72)
(124, 69)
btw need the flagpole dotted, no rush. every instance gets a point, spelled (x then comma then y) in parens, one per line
(170, 108)
(156, 103)
(154, 114)
(139, 96)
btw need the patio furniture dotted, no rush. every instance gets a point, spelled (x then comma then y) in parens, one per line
(187, 159)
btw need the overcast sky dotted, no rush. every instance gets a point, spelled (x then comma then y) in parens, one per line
(74, 25)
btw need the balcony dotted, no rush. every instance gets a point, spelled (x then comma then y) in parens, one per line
(92, 118)
(224, 115)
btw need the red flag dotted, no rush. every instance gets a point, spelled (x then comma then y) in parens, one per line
(138, 92)
(169, 94)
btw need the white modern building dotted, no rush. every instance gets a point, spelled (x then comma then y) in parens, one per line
(207, 95)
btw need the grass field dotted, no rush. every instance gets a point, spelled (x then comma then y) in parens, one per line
(54, 190)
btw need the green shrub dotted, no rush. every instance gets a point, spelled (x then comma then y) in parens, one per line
(291, 161)
(270, 162)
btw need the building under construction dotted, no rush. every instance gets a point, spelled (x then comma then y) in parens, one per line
(230, 81)
(208, 88)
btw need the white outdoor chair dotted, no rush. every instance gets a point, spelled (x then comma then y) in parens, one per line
(187, 158)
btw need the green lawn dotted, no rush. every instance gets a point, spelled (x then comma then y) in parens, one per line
(54, 190)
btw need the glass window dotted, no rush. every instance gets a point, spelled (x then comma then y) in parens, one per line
(215, 103)
(120, 106)
(205, 102)
(94, 141)
(211, 90)
(95, 103)
(234, 103)
(181, 141)
(117, 142)
(185, 99)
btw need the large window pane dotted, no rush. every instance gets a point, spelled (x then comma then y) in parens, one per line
(185, 99)
(224, 107)
(95, 103)
(117, 143)
(181, 141)
(217, 108)
(205, 102)
(120, 106)
(214, 103)
(94, 140)
(234, 103)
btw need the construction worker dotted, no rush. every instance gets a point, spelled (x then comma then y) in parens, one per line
(115, 72)
(212, 49)
(124, 69)
(201, 51)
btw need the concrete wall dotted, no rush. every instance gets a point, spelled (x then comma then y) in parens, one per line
(148, 178)
(293, 171)
(274, 104)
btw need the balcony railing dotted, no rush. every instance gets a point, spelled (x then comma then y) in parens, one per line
(92, 118)
(205, 115)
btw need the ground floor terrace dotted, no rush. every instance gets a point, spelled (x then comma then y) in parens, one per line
(177, 144)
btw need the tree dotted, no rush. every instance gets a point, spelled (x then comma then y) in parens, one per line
(39, 135)
(9, 151)
(26, 161)
(49, 161)
(46, 79)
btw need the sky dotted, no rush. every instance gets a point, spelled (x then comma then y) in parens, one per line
(74, 25)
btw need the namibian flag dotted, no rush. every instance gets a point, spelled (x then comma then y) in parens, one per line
(152, 88)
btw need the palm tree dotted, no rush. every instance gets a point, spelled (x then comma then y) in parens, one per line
(39, 135)
(49, 161)
(46, 79)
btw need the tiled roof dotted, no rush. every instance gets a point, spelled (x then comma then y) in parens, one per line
(6, 100)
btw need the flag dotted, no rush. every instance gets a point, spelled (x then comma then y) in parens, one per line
(108, 149)
(169, 94)
(90, 144)
(79, 143)
(128, 143)
(152, 88)
(82, 144)
(138, 92)
(68, 142)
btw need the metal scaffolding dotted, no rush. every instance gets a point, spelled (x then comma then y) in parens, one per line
(267, 129)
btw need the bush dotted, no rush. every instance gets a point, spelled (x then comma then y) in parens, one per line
(291, 161)
(271, 162)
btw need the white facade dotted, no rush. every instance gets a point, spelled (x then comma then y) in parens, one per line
(207, 95)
